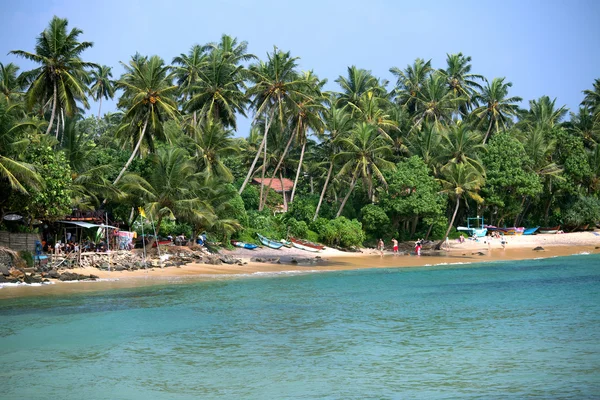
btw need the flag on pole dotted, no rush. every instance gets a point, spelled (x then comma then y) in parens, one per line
(142, 212)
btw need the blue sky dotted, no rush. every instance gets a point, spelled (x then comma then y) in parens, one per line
(544, 47)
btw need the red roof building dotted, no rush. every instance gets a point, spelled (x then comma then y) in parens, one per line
(288, 184)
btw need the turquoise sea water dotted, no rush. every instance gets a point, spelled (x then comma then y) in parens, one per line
(502, 330)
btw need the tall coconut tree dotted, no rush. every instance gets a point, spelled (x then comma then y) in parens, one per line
(459, 181)
(61, 79)
(435, 103)
(148, 98)
(337, 123)
(364, 154)
(410, 82)
(187, 72)
(355, 85)
(11, 87)
(496, 108)
(211, 144)
(592, 100)
(543, 113)
(102, 86)
(460, 145)
(275, 87)
(461, 82)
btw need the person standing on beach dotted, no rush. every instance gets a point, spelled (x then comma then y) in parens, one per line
(395, 243)
(380, 246)
(418, 247)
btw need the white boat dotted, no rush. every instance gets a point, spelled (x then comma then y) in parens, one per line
(473, 231)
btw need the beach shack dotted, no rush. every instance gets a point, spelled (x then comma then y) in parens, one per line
(282, 186)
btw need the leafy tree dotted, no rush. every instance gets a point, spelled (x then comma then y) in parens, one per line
(412, 193)
(61, 79)
(342, 232)
(460, 81)
(410, 82)
(509, 179)
(11, 87)
(374, 220)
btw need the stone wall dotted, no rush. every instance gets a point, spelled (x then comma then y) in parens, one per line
(19, 241)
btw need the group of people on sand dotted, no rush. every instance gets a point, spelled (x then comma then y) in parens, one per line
(381, 246)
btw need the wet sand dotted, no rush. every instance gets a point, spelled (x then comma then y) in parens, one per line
(517, 248)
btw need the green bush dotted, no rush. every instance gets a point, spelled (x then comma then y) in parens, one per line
(343, 232)
(303, 209)
(296, 228)
(374, 220)
(27, 257)
(250, 197)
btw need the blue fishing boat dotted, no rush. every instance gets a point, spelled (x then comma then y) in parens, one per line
(244, 245)
(530, 231)
(268, 242)
(475, 228)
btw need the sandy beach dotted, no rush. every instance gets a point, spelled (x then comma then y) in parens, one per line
(294, 261)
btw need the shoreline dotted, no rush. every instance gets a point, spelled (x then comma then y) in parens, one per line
(469, 252)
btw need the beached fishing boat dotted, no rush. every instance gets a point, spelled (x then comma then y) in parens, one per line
(268, 242)
(244, 245)
(530, 231)
(286, 243)
(478, 229)
(551, 230)
(513, 231)
(306, 245)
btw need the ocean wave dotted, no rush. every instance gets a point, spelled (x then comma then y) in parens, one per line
(582, 253)
(275, 273)
(96, 280)
(17, 284)
(456, 263)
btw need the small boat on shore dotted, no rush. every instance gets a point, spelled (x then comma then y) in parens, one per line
(513, 231)
(286, 243)
(549, 231)
(478, 229)
(244, 245)
(530, 231)
(306, 245)
(268, 242)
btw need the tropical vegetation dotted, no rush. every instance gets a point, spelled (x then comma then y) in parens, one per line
(361, 158)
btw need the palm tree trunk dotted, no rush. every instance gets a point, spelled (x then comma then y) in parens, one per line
(298, 171)
(54, 101)
(488, 131)
(352, 184)
(439, 245)
(99, 107)
(135, 150)
(323, 191)
(517, 217)
(62, 117)
(264, 166)
(285, 205)
(262, 143)
(57, 127)
(287, 146)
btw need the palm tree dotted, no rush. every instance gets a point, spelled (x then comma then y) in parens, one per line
(187, 72)
(218, 91)
(337, 123)
(212, 143)
(61, 79)
(435, 103)
(359, 82)
(459, 79)
(12, 126)
(459, 180)
(305, 115)
(427, 144)
(543, 113)
(365, 154)
(410, 82)
(276, 88)
(171, 189)
(102, 85)
(148, 99)
(592, 100)
(462, 145)
(10, 85)
(497, 108)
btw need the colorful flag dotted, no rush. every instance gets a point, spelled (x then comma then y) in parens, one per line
(142, 212)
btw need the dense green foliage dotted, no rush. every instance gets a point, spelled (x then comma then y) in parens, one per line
(370, 159)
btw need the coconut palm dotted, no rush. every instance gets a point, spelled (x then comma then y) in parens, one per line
(496, 108)
(358, 83)
(10, 85)
(211, 144)
(460, 144)
(171, 189)
(435, 103)
(592, 100)
(543, 113)
(410, 82)
(218, 91)
(364, 154)
(187, 72)
(459, 79)
(102, 86)
(276, 86)
(149, 100)
(337, 123)
(427, 144)
(61, 79)
(459, 181)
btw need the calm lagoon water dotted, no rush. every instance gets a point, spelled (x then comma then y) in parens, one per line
(502, 330)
